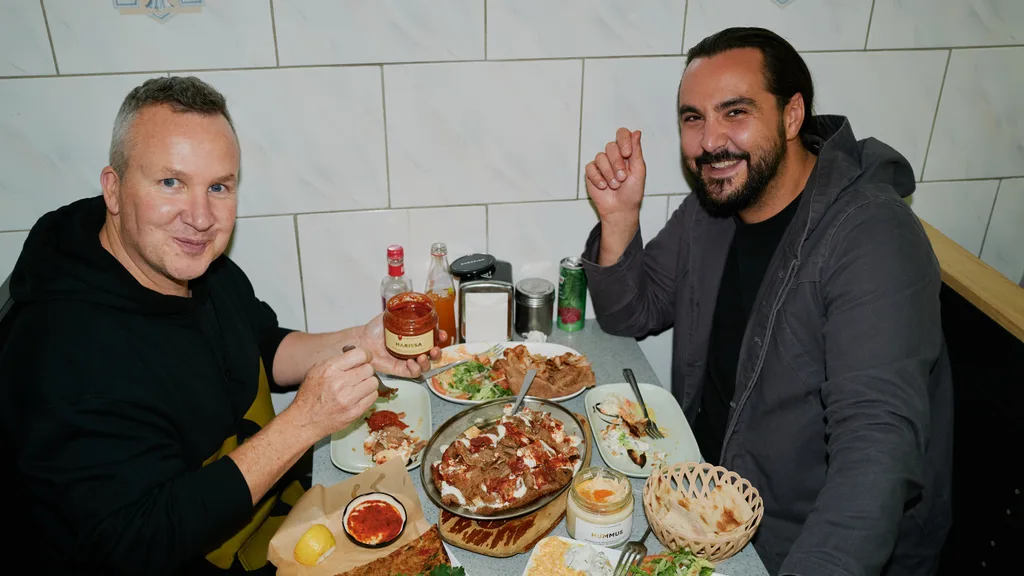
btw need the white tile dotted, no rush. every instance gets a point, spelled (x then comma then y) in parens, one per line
(980, 126)
(24, 45)
(946, 23)
(463, 229)
(658, 350)
(572, 28)
(362, 31)
(312, 138)
(10, 249)
(1004, 243)
(482, 132)
(888, 95)
(639, 94)
(54, 137)
(344, 256)
(959, 210)
(91, 37)
(266, 250)
(534, 237)
(343, 260)
(807, 25)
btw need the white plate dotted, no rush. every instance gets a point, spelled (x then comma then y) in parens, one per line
(611, 553)
(679, 445)
(460, 351)
(347, 445)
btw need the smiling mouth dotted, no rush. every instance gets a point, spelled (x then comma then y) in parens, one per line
(192, 246)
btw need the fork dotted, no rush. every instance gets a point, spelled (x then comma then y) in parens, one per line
(492, 351)
(652, 428)
(632, 554)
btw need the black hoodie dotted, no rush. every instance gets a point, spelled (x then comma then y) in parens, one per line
(120, 403)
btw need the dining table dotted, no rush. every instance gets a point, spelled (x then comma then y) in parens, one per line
(608, 355)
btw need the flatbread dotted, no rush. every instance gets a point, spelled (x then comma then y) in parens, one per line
(417, 557)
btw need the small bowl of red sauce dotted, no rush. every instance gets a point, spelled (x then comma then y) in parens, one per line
(374, 520)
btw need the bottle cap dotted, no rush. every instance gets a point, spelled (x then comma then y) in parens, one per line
(438, 249)
(395, 251)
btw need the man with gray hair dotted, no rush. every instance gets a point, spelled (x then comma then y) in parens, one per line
(136, 373)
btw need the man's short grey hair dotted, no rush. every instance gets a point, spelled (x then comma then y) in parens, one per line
(185, 94)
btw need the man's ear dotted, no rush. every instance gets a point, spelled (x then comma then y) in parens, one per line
(793, 116)
(110, 182)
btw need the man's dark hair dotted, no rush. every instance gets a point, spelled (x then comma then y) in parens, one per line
(785, 72)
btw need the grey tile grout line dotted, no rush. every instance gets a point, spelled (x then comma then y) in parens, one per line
(485, 29)
(429, 207)
(273, 31)
(935, 118)
(49, 36)
(298, 256)
(871, 18)
(686, 14)
(384, 114)
(579, 140)
(988, 224)
(470, 61)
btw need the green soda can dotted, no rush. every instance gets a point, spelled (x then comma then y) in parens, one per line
(572, 294)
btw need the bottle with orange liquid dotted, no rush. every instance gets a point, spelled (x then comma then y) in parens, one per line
(441, 289)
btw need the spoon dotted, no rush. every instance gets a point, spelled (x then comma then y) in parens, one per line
(527, 380)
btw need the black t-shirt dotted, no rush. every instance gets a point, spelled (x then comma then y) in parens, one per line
(751, 251)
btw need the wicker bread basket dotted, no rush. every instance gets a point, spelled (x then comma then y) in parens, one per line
(695, 480)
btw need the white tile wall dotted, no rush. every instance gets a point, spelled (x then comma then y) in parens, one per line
(980, 125)
(940, 23)
(91, 37)
(813, 25)
(959, 209)
(573, 28)
(267, 250)
(344, 256)
(10, 248)
(482, 132)
(51, 149)
(24, 44)
(336, 161)
(362, 31)
(369, 127)
(1004, 244)
(534, 237)
(889, 96)
(639, 94)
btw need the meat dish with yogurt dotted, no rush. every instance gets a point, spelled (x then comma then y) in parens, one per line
(508, 464)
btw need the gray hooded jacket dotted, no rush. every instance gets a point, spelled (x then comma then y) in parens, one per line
(842, 416)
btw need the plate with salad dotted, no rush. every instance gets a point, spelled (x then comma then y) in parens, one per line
(562, 373)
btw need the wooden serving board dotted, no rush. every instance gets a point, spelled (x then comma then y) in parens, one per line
(504, 538)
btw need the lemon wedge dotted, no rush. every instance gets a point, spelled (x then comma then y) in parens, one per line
(315, 545)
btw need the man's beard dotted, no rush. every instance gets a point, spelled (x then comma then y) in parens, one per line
(760, 174)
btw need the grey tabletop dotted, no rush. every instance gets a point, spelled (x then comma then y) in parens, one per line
(608, 355)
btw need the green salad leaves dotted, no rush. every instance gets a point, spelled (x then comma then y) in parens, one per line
(680, 563)
(477, 381)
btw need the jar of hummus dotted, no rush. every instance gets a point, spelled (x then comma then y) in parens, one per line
(600, 507)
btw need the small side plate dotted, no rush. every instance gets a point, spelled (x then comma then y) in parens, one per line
(412, 398)
(679, 445)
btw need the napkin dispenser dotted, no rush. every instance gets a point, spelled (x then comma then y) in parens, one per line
(486, 298)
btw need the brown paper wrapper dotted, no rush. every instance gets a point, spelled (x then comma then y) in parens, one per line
(325, 505)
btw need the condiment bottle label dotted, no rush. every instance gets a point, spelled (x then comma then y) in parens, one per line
(608, 535)
(409, 345)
